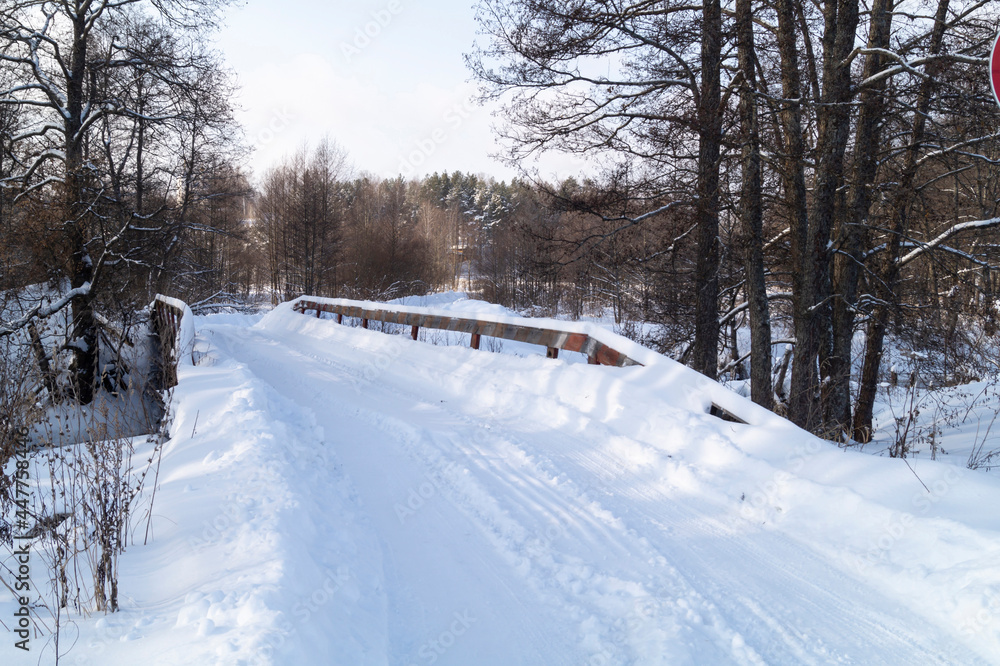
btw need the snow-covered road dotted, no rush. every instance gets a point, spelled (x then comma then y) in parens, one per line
(529, 511)
(334, 495)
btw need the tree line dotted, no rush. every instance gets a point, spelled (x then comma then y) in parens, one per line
(832, 165)
(818, 173)
(320, 229)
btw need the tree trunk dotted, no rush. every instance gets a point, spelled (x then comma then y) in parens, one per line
(852, 229)
(834, 126)
(706, 337)
(751, 213)
(44, 367)
(900, 206)
(803, 388)
(84, 337)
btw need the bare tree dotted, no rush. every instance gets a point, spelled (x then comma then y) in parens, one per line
(752, 211)
(663, 95)
(302, 205)
(77, 67)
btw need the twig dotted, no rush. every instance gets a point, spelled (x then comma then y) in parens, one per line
(156, 481)
(915, 474)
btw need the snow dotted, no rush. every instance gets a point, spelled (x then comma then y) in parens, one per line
(186, 332)
(337, 495)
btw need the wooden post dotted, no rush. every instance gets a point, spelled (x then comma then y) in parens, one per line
(553, 340)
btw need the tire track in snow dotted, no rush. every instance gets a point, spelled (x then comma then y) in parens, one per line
(400, 579)
(572, 577)
(563, 580)
(661, 606)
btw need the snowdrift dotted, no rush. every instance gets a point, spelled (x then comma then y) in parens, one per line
(696, 390)
(338, 495)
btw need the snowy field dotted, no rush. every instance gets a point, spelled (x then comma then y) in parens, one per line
(332, 495)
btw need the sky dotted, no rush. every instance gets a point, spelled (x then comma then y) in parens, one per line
(385, 79)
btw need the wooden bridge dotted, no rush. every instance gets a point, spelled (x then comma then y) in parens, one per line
(553, 339)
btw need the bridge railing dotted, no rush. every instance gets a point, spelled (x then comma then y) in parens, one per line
(172, 325)
(724, 403)
(553, 339)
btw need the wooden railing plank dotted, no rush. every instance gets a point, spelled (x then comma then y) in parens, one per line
(552, 339)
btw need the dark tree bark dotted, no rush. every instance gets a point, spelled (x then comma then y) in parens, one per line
(898, 224)
(84, 336)
(803, 387)
(751, 212)
(705, 358)
(834, 127)
(852, 234)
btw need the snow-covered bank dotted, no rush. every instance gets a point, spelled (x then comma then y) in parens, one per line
(252, 526)
(336, 495)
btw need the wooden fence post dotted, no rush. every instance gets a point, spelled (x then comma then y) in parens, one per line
(553, 339)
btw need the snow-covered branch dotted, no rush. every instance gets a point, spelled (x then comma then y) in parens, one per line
(43, 310)
(951, 232)
(911, 66)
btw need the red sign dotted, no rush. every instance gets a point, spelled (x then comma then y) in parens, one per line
(995, 70)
